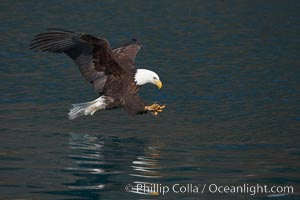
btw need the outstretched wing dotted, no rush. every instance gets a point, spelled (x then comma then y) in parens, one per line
(127, 52)
(92, 55)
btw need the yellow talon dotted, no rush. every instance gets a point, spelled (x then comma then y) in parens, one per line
(155, 108)
(163, 106)
(154, 113)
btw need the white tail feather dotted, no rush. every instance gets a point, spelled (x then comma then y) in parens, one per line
(87, 108)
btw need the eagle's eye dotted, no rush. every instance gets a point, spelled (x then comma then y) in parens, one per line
(154, 78)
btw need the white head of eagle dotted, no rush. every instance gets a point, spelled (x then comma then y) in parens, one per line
(144, 76)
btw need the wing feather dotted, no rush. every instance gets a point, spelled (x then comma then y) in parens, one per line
(92, 55)
(127, 52)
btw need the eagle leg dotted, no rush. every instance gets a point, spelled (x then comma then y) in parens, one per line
(155, 108)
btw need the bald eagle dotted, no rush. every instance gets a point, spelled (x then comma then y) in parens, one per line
(112, 72)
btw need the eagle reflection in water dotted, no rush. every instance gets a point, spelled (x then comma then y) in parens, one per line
(110, 163)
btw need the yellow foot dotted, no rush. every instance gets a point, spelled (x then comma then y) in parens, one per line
(155, 108)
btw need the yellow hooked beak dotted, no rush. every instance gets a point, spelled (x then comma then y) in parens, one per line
(158, 83)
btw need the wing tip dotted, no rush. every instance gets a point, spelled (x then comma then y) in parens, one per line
(133, 41)
(53, 40)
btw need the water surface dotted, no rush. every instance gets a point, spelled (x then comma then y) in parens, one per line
(231, 84)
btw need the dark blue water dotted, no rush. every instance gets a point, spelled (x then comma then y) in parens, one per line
(231, 76)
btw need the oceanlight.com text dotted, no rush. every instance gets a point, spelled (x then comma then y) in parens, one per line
(250, 189)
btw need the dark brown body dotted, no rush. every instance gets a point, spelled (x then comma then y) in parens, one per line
(124, 93)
